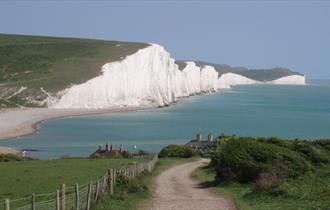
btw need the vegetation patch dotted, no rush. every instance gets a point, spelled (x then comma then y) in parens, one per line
(270, 173)
(179, 151)
(12, 157)
(21, 178)
(247, 159)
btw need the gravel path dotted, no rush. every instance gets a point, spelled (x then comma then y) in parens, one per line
(176, 190)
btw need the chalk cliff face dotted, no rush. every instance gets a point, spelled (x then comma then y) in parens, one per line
(293, 80)
(230, 79)
(149, 77)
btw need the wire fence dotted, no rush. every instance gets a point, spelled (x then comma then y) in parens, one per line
(80, 197)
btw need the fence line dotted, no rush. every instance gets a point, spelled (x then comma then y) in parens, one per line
(79, 197)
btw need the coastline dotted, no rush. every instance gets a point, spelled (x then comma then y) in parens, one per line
(10, 150)
(15, 123)
(19, 122)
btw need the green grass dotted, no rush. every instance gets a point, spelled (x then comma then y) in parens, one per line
(271, 173)
(310, 191)
(19, 179)
(53, 63)
(138, 195)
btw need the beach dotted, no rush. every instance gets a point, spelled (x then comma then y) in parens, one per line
(21, 122)
(9, 150)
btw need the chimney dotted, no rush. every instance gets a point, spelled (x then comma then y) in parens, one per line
(121, 148)
(107, 147)
(199, 137)
(210, 137)
(112, 147)
(100, 147)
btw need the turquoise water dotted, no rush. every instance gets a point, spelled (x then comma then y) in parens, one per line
(285, 111)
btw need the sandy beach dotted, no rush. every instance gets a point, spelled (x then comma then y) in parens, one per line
(20, 122)
(8, 150)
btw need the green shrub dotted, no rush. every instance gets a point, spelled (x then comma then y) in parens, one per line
(313, 151)
(176, 151)
(323, 143)
(244, 159)
(276, 141)
(9, 157)
(143, 152)
(309, 152)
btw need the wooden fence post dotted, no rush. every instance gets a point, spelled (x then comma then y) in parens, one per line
(33, 202)
(129, 173)
(89, 192)
(104, 184)
(77, 196)
(7, 204)
(114, 176)
(97, 191)
(109, 181)
(62, 204)
(57, 200)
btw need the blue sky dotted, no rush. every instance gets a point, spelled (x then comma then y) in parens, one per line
(255, 34)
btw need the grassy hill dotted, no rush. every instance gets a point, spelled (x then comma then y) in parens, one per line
(52, 63)
(270, 173)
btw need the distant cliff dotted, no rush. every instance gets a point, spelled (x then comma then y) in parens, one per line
(78, 73)
(150, 77)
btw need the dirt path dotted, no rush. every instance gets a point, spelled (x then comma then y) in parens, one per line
(176, 190)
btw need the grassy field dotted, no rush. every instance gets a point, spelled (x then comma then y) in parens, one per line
(138, 194)
(52, 63)
(310, 191)
(22, 178)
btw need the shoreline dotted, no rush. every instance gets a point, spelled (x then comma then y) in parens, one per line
(16, 123)
(19, 122)
(11, 150)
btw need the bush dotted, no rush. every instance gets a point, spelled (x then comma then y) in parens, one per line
(324, 143)
(126, 154)
(176, 151)
(308, 149)
(143, 152)
(244, 159)
(309, 152)
(10, 157)
(266, 180)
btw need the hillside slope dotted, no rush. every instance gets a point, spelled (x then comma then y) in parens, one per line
(33, 67)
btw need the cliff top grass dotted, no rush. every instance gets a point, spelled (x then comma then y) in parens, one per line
(52, 63)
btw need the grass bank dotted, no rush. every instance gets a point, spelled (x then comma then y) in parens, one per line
(270, 173)
(22, 178)
(138, 193)
(310, 191)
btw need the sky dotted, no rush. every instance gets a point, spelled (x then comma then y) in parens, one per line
(254, 34)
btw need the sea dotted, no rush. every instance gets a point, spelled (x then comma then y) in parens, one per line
(254, 110)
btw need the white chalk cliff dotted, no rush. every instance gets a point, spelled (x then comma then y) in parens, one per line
(293, 80)
(150, 77)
